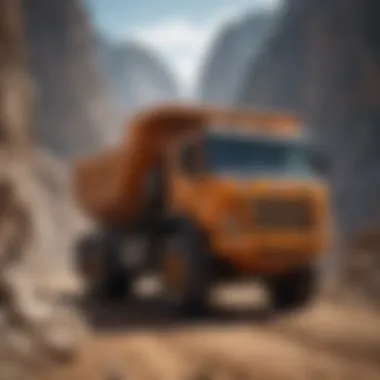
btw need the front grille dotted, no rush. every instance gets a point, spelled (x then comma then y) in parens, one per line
(279, 213)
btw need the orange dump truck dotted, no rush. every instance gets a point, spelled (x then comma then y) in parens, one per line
(198, 194)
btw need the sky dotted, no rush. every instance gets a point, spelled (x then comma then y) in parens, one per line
(178, 30)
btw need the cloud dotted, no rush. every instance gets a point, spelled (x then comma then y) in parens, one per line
(183, 42)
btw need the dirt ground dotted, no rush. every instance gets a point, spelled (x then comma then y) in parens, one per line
(237, 340)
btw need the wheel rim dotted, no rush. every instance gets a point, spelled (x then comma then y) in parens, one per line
(175, 274)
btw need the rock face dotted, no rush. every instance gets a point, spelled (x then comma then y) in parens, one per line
(26, 345)
(137, 77)
(72, 104)
(15, 107)
(237, 44)
(15, 95)
(323, 62)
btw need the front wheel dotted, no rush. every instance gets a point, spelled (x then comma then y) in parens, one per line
(97, 262)
(293, 290)
(186, 270)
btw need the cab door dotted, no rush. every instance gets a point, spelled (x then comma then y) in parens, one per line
(186, 174)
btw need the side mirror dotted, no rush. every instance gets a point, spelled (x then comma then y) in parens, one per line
(318, 163)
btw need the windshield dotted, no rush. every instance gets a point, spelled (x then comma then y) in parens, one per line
(242, 155)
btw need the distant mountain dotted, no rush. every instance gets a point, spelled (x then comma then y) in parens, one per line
(239, 42)
(137, 76)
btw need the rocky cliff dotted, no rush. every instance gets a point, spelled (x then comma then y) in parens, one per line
(237, 44)
(323, 62)
(33, 198)
(137, 77)
(72, 103)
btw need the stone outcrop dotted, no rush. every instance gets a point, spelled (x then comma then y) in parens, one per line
(28, 324)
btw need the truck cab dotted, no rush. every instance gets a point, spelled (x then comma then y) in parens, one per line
(262, 203)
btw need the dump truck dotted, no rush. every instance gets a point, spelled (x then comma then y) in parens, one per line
(199, 194)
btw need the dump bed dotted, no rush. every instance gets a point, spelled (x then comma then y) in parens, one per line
(109, 187)
(96, 183)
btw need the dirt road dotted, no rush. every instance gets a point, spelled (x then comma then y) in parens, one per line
(325, 341)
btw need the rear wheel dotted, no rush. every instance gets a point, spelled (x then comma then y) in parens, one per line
(97, 261)
(116, 285)
(186, 270)
(293, 290)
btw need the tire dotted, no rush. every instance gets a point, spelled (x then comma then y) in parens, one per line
(109, 280)
(116, 286)
(187, 246)
(294, 290)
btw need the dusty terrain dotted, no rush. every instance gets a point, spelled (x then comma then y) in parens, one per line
(235, 341)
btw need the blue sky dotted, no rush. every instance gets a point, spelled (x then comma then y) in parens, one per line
(179, 30)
